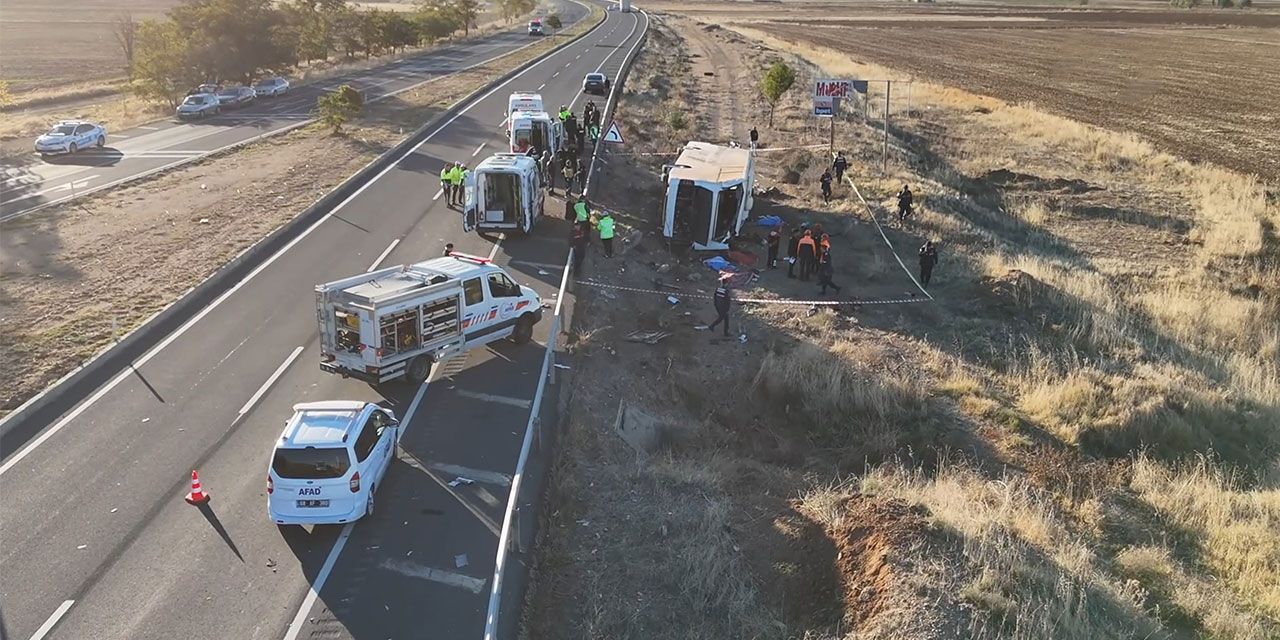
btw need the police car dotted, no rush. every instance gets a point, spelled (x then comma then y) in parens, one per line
(70, 136)
(329, 461)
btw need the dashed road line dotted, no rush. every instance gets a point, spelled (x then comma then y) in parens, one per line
(449, 578)
(477, 151)
(53, 620)
(496, 399)
(270, 381)
(382, 256)
(479, 475)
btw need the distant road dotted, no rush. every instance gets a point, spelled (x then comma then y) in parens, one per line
(37, 183)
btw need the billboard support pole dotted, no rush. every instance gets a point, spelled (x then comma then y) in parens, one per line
(884, 156)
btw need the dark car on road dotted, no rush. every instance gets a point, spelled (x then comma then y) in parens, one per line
(595, 83)
(236, 97)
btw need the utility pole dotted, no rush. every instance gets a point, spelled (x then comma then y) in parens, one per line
(884, 157)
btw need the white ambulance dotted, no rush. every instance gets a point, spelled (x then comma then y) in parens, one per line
(395, 322)
(535, 129)
(524, 101)
(505, 192)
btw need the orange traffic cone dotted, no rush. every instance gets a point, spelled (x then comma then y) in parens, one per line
(198, 496)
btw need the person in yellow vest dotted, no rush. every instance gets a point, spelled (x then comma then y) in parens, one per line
(582, 215)
(564, 112)
(455, 179)
(605, 225)
(446, 186)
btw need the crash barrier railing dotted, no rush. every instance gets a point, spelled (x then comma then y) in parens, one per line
(532, 431)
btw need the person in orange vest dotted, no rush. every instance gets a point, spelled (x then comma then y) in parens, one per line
(808, 254)
(824, 245)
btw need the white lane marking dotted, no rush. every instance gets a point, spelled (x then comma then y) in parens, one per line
(270, 381)
(383, 255)
(147, 128)
(566, 65)
(449, 578)
(496, 399)
(494, 251)
(487, 498)
(539, 89)
(577, 56)
(555, 74)
(53, 620)
(479, 475)
(477, 151)
(120, 135)
(295, 627)
(78, 183)
(438, 194)
(84, 406)
(541, 265)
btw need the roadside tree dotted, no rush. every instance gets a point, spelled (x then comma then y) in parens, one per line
(777, 81)
(125, 30)
(162, 70)
(336, 109)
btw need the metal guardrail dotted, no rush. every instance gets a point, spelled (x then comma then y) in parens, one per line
(532, 430)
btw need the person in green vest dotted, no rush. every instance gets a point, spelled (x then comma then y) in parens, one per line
(445, 185)
(582, 215)
(455, 179)
(564, 112)
(605, 225)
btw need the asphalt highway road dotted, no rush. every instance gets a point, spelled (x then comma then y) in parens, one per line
(33, 183)
(95, 539)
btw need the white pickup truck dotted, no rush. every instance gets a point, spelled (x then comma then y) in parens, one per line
(395, 322)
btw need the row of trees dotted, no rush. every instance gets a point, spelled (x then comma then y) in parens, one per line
(241, 40)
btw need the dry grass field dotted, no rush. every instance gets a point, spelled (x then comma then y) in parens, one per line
(1078, 438)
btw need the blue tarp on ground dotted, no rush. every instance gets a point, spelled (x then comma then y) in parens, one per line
(769, 221)
(719, 264)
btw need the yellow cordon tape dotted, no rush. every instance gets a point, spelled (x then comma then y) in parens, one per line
(810, 303)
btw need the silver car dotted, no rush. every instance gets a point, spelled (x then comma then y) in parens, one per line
(199, 106)
(271, 87)
(70, 136)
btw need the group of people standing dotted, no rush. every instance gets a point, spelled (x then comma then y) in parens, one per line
(453, 178)
(809, 248)
(579, 210)
(567, 163)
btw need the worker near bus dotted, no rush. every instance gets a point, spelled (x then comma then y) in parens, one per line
(840, 164)
(905, 200)
(581, 173)
(605, 225)
(774, 240)
(549, 171)
(578, 239)
(564, 113)
(581, 212)
(807, 251)
(721, 300)
(793, 250)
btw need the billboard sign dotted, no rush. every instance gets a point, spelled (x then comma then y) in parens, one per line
(831, 88)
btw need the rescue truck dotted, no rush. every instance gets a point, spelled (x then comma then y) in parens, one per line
(535, 27)
(396, 322)
(505, 193)
(535, 129)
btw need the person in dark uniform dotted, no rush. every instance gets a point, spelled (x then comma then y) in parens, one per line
(721, 300)
(775, 239)
(825, 181)
(793, 245)
(755, 138)
(928, 259)
(825, 271)
(579, 238)
(841, 165)
(448, 248)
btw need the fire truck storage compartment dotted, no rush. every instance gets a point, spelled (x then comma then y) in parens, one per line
(348, 326)
(501, 197)
(404, 331)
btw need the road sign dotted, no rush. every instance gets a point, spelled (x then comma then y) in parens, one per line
(831, 88)
(613, 134)
(825, 106)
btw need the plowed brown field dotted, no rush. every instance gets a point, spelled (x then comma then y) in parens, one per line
(1207, 92)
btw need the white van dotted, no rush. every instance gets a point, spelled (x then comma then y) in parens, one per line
(398, 321)
(535, 129)
(329, 461)
(524, 101)
(505, 193)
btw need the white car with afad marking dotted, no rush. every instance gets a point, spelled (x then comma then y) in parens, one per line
(329, 461)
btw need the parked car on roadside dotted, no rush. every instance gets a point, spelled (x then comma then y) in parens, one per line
(205, 88)
(236, 97)
(199, 105)
(595, 83)
(70, 136)
(271, 87)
